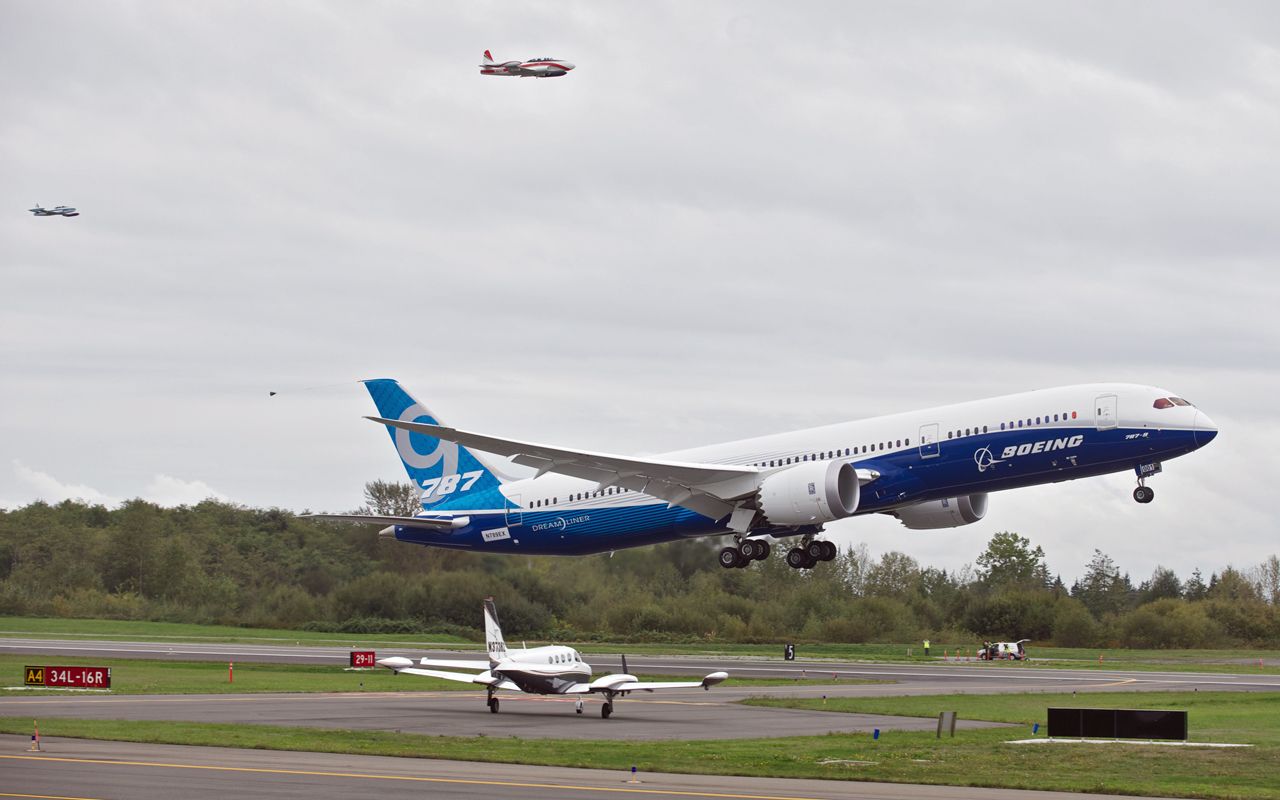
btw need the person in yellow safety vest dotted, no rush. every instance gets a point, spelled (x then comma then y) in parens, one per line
(926, 648)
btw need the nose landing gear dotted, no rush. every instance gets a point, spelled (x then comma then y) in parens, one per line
(1144, 494)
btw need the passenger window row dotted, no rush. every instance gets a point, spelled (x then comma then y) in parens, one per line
(774, 462)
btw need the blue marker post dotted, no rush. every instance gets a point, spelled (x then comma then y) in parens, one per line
(875, 735)
(1035, 729)
(633, 778)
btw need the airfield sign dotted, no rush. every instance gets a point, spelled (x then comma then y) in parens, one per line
(69, 677)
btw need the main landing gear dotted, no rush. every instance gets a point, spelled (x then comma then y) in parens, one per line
(493, 703)
(606, 709)
(809, 554)
(747, 551)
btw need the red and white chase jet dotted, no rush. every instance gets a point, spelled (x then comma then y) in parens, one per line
(533, 68)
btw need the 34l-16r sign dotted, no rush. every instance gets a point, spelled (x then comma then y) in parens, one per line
(69, 677)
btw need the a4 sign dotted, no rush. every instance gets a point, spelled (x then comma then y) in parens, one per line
(69, 677)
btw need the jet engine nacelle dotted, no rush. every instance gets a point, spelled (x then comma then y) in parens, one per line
(810, 493)
(951, 512)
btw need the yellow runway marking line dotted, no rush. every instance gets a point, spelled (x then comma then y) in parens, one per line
(409, 778)
(1117, 683)
(230, 698)
(45, 796)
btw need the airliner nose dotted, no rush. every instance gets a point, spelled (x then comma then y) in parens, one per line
(1203, 428)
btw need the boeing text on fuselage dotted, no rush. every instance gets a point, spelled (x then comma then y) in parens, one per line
(930, 469)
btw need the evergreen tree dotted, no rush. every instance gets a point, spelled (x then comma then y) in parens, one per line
(1009, 562)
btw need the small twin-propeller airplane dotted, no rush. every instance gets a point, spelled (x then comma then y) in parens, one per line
(533, 68)
(930, 469)
(537, 670)
(57, 211)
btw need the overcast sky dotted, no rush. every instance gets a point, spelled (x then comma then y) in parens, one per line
(731, 219)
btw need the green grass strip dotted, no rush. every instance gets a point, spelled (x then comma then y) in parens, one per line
(973, 758)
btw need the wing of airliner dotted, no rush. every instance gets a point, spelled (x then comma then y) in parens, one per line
(708, 489)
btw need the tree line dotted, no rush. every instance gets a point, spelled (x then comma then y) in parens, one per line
(221, 563)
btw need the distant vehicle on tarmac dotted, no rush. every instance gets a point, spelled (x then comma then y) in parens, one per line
(533, 68)
(56, 211)
(1003, 651)
(537, 670)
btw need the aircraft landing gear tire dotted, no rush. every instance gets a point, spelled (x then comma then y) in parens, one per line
(815, 550)
(763, 550)
(606, 710)
(493, 705)
(753, 551)
(1144, 494)
(829, 551)
(797, 558)
(731, 557)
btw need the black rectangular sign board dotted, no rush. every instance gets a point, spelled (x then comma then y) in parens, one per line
(1115, 723)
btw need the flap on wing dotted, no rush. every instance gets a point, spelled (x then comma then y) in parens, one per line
(448, 664)
(460, 677)
(708, 489)
(431, 523)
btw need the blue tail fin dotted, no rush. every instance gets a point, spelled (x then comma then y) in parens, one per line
(449, 474)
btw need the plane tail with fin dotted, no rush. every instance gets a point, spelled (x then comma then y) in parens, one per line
(493, 640)
(448, 474)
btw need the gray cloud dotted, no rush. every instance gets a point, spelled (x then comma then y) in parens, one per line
(730, 219)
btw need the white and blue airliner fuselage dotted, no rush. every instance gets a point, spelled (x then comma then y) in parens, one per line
(930, 469)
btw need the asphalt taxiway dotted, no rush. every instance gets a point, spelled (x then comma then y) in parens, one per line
(677, 714)
(940, 677)
(99, 770)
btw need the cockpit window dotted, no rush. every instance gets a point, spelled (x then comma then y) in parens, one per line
(1178, 401)
(1163, 402)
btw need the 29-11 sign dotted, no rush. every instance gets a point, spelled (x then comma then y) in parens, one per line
(69, 677)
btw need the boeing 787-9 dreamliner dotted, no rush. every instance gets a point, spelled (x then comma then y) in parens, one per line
(930, 469)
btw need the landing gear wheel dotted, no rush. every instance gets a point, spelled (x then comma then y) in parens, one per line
(731, 557)
(1144, 494)
(797, 558)
(493, 705)
(749, 549)
(763, 550)
(829, 551)
(815, 550)
(606, 710)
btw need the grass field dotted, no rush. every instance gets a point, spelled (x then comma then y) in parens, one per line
(210, 677)
(1042, 657)
(1243, 717)
(972, 758)
(134, 630)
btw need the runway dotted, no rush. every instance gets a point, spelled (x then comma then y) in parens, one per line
(679, 714)
(936, 678)
(99, 770)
